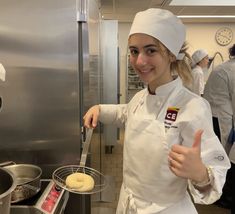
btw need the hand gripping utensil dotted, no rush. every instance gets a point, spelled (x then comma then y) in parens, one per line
(59, 175)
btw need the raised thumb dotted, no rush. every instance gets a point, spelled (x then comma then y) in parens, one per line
(197, 139)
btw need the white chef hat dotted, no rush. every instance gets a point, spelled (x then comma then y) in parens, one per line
(198, 55)
(162, 25)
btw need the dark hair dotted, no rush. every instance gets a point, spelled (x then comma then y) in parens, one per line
(232, 51)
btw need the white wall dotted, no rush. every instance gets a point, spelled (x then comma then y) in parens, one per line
(202, 35)
(199, 35)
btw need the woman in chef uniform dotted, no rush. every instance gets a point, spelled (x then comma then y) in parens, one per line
(200, 62)
(169, 143)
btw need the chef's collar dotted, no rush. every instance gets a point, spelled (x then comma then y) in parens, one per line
(167, 88)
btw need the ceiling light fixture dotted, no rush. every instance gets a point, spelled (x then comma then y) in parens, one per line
(202, 3)
(207, 16)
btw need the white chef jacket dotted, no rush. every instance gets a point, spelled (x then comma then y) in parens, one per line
(198, 80)
(220, 93)
(191, 113)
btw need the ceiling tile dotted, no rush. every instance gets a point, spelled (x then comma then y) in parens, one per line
(124, 10)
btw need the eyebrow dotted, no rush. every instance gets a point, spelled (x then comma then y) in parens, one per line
(146, 46)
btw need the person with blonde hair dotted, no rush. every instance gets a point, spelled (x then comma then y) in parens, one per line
(169, 145)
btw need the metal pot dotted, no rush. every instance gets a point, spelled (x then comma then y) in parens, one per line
(27, 177)
(7, 186)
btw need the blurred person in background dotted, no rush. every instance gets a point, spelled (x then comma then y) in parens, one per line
(200, 61)
(220, 93)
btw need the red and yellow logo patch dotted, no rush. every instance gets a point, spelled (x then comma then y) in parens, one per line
(171, 113)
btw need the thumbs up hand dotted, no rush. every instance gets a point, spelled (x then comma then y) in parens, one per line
(186, 162)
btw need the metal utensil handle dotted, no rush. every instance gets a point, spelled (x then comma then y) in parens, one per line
(34, 188)
(7, 163)
(86, 145)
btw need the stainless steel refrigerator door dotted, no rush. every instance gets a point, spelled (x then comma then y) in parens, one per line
(110, 60)
(39, 119)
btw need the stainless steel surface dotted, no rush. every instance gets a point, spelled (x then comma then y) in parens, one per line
(7, 185)
(43, 98)
(7, 163)
(110, 56)
(40, 106)
(27, 177)
(82, 10)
